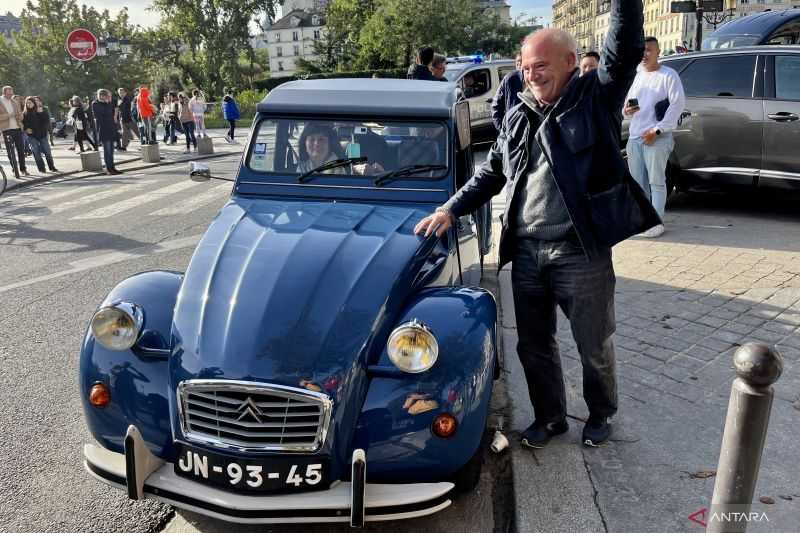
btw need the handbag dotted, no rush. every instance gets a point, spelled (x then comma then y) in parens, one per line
(78, 124)
(661, 109)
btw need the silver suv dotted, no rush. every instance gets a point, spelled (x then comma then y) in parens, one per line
(740, 125)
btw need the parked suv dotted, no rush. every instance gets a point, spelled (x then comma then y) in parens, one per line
(740, 125)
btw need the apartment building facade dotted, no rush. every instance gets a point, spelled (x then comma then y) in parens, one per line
(588, 20)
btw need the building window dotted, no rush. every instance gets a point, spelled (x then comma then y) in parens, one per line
(278, 37)
(296, 50)
(280, 65)
(316, 34)
(315, 20)
(280, 51)
(295, 36)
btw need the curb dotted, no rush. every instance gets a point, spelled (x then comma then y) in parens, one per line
(45, 179)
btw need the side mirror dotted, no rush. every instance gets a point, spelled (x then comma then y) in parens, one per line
(199, 172)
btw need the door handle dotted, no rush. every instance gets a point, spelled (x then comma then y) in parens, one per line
(783, 116)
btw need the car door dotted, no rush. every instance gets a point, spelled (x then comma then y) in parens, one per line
(719, 136)
(781, 162)
(476, 85)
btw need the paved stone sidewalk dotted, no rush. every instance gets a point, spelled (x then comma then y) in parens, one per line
(69, 163)
(685, 302)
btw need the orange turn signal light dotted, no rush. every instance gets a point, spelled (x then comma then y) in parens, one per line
(99, 395)
(444, 425)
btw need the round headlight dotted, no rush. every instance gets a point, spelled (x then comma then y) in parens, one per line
(117, 326)
(412, 347)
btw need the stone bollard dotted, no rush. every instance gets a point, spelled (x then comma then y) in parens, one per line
(205, 146)
(91, 161)
(758, 366)
(150, 153)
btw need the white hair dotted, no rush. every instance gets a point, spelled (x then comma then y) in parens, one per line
(558, 36)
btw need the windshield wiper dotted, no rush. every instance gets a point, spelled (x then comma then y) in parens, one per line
(306, 176)
(406, 171)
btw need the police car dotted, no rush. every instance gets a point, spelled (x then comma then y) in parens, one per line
(479, 80)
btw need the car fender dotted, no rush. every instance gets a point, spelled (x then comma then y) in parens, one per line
(137, 378)
(394, 426)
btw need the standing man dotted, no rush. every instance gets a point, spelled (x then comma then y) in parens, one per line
(129, 129)
(11, 126)
(103, 111)
(657, 104)
(569, 199)
(438, 67)
(589, 62)
(420, 69)
(507, 95)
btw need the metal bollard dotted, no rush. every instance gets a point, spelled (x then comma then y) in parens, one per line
(758, 366)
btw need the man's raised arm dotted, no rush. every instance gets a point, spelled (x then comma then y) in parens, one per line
(622, 51)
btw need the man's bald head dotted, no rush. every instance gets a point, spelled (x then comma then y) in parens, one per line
(548, 61)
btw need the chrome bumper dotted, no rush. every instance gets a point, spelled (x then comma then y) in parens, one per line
(380, 501)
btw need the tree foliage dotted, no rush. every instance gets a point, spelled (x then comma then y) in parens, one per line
(386, 33)
(34, 62)
(215, 33)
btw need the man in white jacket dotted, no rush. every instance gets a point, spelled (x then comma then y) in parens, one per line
(654, 103)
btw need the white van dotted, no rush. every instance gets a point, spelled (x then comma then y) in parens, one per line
(479, 82)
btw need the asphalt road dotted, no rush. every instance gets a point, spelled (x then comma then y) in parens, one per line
(64, 245)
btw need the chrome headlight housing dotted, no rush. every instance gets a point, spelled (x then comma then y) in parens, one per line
(412, 347)
(118, 326)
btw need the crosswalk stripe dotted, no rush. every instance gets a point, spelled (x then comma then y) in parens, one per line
(190, 204)
(136, 201)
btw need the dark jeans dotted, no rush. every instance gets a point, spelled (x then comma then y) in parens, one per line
(188, 129)
(108, 154)
(232, 129)
(41, 147)
(549, 274)
(13, 140)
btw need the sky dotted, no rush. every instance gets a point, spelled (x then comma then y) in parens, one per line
(140, 15)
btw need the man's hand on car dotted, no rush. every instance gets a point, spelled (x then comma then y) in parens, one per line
(649, 136)
(439, 222)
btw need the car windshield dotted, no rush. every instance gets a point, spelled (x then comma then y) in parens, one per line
(299, 146)
(730, 40)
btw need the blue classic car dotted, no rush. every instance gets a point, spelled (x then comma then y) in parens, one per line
(317, 361)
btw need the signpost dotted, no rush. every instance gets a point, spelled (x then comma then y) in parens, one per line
(683, 7)
(81, 45)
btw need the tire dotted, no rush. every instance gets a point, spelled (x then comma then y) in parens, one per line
(469, 475)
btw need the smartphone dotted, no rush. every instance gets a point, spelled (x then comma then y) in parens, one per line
(633, 102)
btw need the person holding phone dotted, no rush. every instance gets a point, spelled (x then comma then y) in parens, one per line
(654, 104)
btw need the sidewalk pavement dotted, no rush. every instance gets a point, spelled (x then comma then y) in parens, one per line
(69, 163)
(684, 303)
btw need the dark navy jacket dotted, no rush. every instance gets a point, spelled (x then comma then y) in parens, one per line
(506, 97)
(579, 137)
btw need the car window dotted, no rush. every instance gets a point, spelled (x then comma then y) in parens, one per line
(476, 82)
(502, 72)
(789, 33)
(297, 145)
(730, 76)
(677, 64)
(787, 77)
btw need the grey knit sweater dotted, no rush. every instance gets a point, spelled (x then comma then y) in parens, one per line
(541, 212)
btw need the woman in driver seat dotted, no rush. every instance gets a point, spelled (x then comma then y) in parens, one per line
(319, 144)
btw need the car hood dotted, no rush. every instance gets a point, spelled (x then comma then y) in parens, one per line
(297, 293)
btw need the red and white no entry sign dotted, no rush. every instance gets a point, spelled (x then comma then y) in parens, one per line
(81, 45)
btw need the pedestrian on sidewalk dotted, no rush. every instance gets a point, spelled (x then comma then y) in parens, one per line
(589, 62)
(187, 122)
(91, 130)
(36, 123)
(146, 111)
(103, 110)
(129, 129)
(230, 112)
(658, 102)
(420, 69)
(507, 95)
(40, 107)
(20, 100)
(198, 107)
(11, 126)
(79, 121)
(570, 198)
(438, 67)
(117, 123)
(173, 115)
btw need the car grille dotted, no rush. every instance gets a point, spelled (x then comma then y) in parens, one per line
(253, 416)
